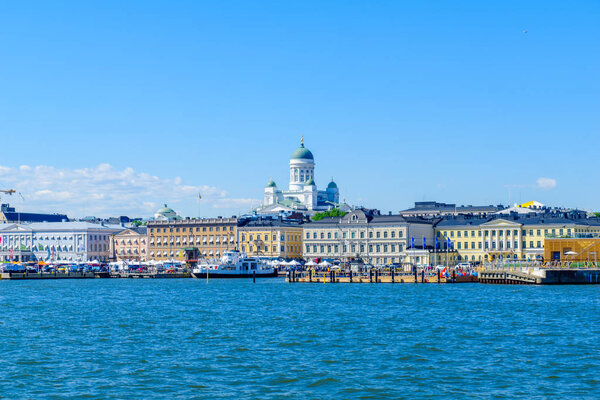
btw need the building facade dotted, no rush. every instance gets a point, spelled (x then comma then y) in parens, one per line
(302, 193)
(277, 237)
(513, 236)
(56, 241)
(366, 234)
(191, 239)
(130, 244)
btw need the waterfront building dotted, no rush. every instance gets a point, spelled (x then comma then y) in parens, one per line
(270, 237)
(435, 209)
(56, 241)
(366, 234)
(302, 194)
(9, 214)
(577, 248)
(130, 244)
(191, 239)
(513, 236)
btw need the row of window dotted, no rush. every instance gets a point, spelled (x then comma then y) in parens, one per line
(197, 229)
(353, 248)
(265, 249)
(515, 232)
(265, 236)
(353, 235)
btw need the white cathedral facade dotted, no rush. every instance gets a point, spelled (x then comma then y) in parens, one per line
(302, 194)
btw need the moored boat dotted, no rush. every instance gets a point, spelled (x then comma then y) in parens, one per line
(234, 264)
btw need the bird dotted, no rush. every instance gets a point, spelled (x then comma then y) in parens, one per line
(525, 31)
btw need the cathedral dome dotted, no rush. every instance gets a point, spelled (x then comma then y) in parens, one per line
(302, 153)
(332, 185)
(271, 183)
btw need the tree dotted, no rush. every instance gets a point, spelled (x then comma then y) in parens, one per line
(334, 212)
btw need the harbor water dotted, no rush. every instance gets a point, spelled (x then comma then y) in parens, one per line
(184, 339)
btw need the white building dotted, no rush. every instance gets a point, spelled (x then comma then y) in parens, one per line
(56, 241)
(302, 194)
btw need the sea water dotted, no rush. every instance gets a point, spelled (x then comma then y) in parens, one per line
(185, 339)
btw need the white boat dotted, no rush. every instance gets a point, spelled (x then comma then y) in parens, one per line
(234, 264)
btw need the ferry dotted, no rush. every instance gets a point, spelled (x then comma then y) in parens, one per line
(234, 264)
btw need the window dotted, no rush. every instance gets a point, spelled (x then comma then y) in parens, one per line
(451, 233)
(516, 244)
(479, 233)
(322, 235)
(458, 234)
(479, 245)
(385, 234)
(314, 235)
(362, 235)
(353, 235)
(539, 244)
(328, 235)
(370, 235)
(308, 235)
(378, 234)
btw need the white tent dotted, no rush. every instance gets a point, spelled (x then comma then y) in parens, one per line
(325, 264)
(311, 263)
(293, 263)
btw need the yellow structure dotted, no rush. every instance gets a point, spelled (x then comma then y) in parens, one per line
(578, 249)
(191, 239)
(271, 238)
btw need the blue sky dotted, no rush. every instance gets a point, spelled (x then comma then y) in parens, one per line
(116, 107)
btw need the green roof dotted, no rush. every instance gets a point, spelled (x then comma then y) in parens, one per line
(332, 185)
(271, 183)
(302, 153)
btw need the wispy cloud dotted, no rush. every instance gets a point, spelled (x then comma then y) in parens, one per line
(106, 191)
(545, 183)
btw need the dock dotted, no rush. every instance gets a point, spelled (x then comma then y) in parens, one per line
(373, 277)
(541, 276)
(51, 275)
(150, 275)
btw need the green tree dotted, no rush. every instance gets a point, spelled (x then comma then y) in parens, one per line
(334, 212)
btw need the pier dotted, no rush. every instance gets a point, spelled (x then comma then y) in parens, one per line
(51, 275)
(541, 276)
(374, 276)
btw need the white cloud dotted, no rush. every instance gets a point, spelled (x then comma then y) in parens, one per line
(545, 183)
(106, 191)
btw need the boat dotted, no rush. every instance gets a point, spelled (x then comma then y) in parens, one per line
(234, 264)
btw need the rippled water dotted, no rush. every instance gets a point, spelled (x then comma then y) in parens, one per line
(234, 339)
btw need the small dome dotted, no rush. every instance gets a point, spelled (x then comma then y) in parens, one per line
(332, 185)
(302, 153)
(165, 210)
(271, 183)
(310, 182)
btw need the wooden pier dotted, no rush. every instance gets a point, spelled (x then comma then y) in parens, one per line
(51, 275)
(150, 275)
(373, 277)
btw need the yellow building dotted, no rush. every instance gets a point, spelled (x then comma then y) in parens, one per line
(575, 249)
(521, 237)
(271, 238)
(191, 239)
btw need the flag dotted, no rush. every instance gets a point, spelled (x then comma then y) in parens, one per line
(449, 243)
(424, 242)
(11, 254)
(199, 196)
(437, 243)
(412, 241)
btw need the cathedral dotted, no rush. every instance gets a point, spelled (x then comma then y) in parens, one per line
(302, 194)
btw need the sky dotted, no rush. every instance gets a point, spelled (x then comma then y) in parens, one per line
(118, 107)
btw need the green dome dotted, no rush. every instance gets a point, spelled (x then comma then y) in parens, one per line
(271, 183)
(332, 185)
(302, 152)
(165, 210)
(310, 182)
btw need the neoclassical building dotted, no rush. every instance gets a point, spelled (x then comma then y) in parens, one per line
(302, 193)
